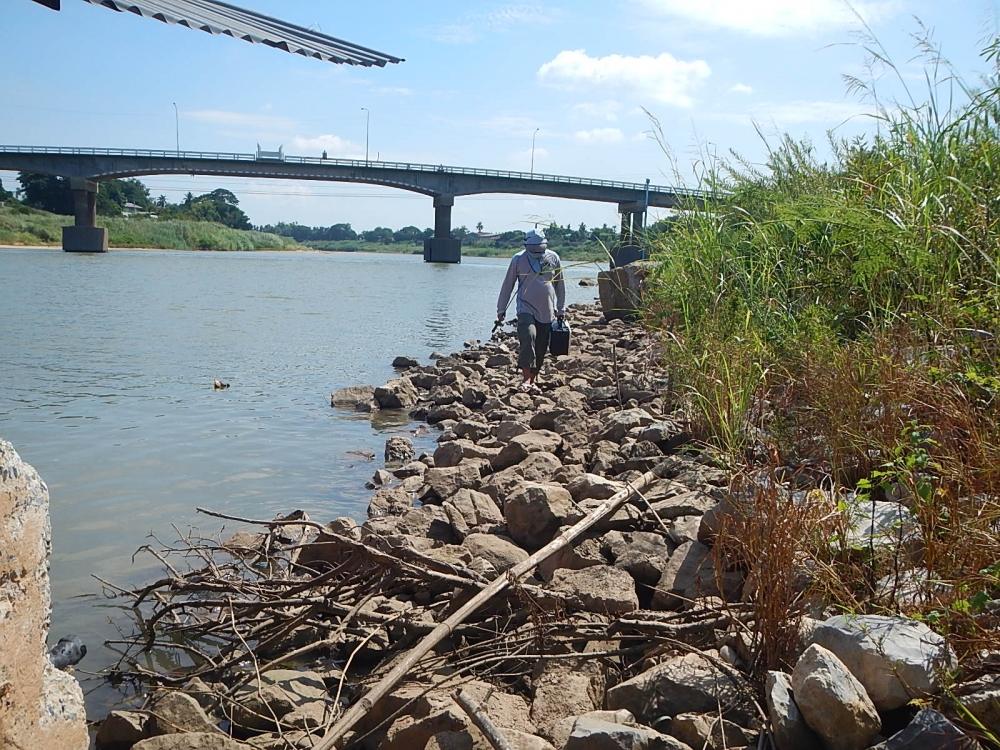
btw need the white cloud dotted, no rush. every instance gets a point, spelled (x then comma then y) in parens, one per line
(776, 17)
(468, 28)
(740, 88)
(663, 78)
(334, 145)
(608, 110)
(510, 16)
(599, 135)
(511, 125)
(247, 120)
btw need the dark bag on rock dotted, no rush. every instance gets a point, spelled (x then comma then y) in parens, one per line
(559, 338)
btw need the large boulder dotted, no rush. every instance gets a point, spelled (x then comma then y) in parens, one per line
(789, 728)
(929, 730)
(833, 702)
(708, 731)
(277, 692)
(618, 424)
(498, 551)
(596, 734)
(444, 482)
(468, 509)
(396, 394)
(690, 573)
(681, 684)
(562, 688)
(398, 450)
(535, 511)
(355, 397)
(121, 730)
(896, 659)
(42, 706)
(593, 486)
(174, 712)
(599, 588)
(520, 447)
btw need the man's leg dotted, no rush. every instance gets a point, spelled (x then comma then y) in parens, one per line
(526, 332)
(542, 334)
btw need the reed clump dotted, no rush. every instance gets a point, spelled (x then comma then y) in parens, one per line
(836, 326)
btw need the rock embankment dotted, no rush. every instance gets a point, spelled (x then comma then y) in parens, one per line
(40, 706)
(632, 636)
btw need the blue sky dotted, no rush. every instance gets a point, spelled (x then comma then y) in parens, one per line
(479, 78)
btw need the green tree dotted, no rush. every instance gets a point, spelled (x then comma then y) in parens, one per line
(479, 227)
(406, 234)
(5, 195)
(378, 234)
(47, 192)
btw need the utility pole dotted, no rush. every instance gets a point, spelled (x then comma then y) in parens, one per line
(367, 121)
(177, 128)
(533, 151)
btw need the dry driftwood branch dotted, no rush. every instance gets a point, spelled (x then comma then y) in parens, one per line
(482, 721)
(444, 629)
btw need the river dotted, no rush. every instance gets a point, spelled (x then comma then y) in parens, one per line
(106, 370)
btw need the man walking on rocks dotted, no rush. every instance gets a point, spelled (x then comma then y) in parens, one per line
(541, 295)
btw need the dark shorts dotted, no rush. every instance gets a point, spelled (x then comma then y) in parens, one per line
(533, 342)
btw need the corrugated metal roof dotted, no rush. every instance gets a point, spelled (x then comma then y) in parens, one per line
(217, 17)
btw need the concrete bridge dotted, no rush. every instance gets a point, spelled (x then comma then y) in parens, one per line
(86, 167)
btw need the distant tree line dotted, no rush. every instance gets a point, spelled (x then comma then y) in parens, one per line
(51, 193)
(558, 236)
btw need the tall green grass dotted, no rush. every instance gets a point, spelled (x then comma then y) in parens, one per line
(838, 321)
(20, 225)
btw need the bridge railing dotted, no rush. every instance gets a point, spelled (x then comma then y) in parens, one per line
(352, 163)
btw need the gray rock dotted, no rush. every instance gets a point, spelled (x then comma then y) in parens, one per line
(469, 429)
(563, 688)
(467, 509)
(428, 521)
(593, 486)
(896, 659)
(983, 702)
(681, 684)
(121, 729)
(510, 429)
(689, 574)
(789, 728)
(191, 741)
(501, 553)
(396, 394)
(645, 556)
(599, 588)
(708, 731)
(833, 703)
(520, 447)
(278, 692)
(618, 424)
(929, 730)
(444, 482)
(449, 454)
(597, 734)
(389, 502)
(174, 712)
(535, 511)
(398, 450)
(561, 729)
(582, 554)
(355, 397)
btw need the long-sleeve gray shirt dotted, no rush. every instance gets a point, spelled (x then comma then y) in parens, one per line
(542, 293)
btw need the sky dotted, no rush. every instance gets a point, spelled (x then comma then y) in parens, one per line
(578, 88)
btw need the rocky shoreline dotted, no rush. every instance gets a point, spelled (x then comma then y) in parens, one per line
(636, 634)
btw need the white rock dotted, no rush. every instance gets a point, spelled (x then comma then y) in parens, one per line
(790, 731)
(896, 659)
(833, 703)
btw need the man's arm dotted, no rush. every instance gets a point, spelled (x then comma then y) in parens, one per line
(560, 284)
(507, 288)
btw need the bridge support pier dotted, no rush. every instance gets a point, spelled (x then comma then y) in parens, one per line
(84, 236)
(441, 248)
(629, 249)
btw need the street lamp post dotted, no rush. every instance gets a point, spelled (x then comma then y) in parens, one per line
(533, 151)
(177, 128)
(368, 115)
